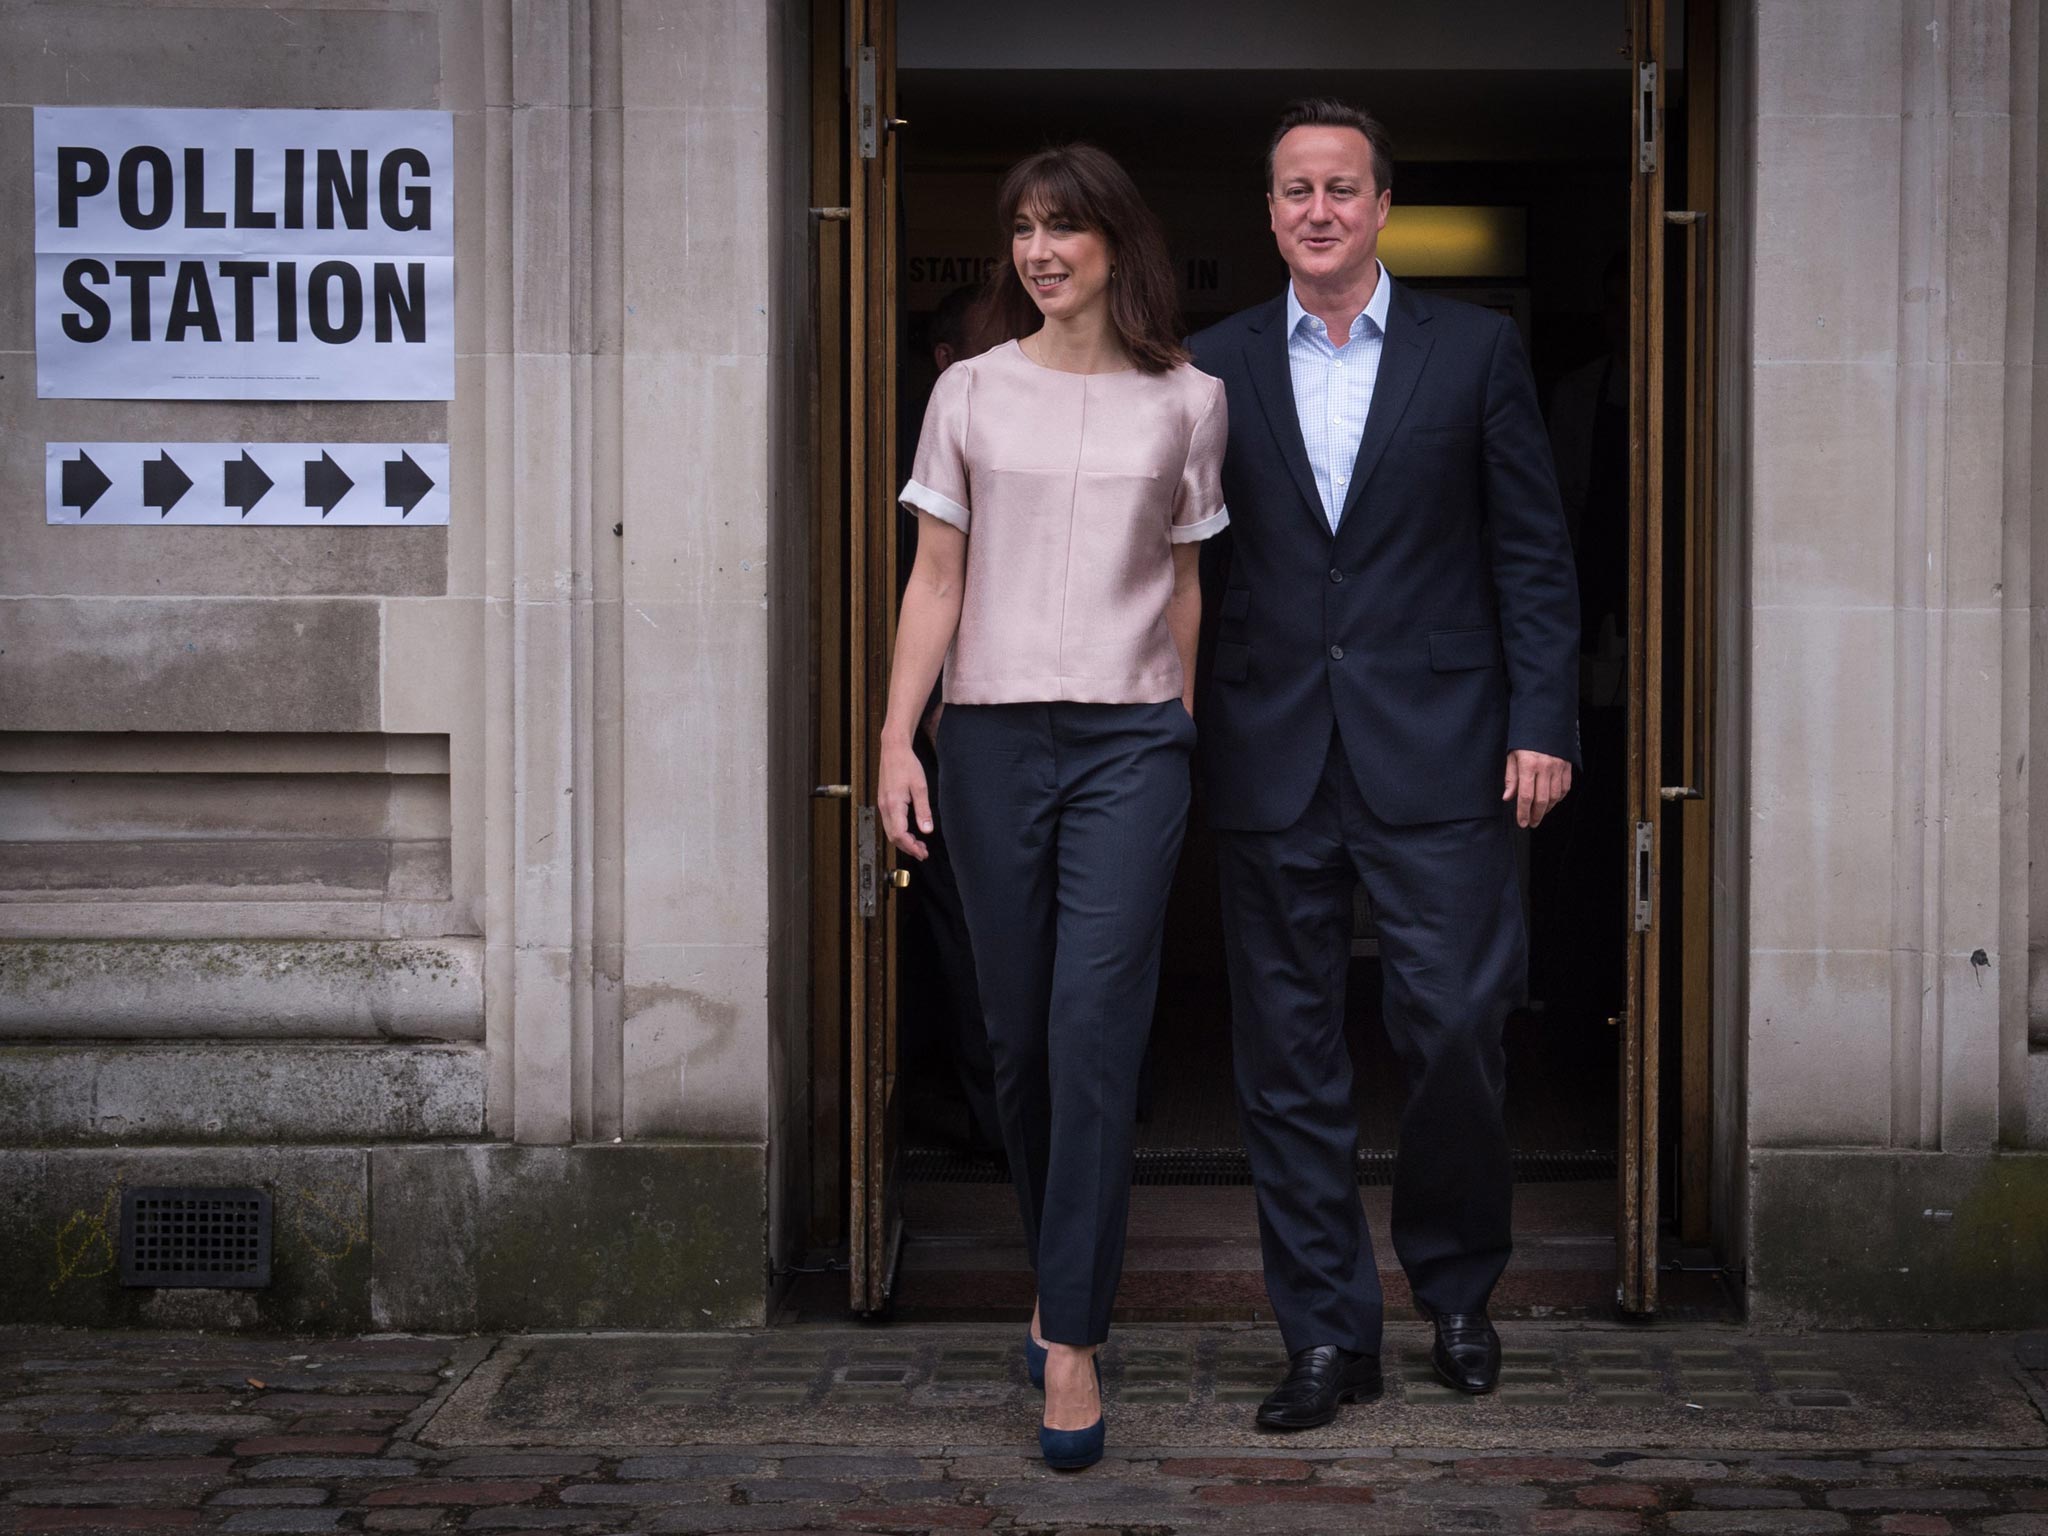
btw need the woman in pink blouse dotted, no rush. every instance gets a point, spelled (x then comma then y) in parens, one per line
(1062, 482)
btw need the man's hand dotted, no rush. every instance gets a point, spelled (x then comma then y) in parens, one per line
(1536, 782)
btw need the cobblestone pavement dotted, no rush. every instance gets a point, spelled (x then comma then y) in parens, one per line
(135, 1432)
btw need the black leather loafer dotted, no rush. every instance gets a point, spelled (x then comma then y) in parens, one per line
(1318, 1381)
(1466, 1355)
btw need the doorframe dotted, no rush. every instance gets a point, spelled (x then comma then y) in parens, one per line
(1717, 34)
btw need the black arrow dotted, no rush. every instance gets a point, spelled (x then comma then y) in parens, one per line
(84, 482)
(326, 483)
(405, 483)
(163, 483)
(244, 483)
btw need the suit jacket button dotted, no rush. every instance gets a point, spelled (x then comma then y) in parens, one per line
(1336, 653)
(1336, 575)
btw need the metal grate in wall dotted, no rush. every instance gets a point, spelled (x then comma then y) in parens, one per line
(195, 1237)
(1185, 1166)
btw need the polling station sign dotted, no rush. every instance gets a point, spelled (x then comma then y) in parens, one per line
(244, 255)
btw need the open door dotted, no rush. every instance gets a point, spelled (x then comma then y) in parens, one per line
(874, 1114)
(1670, 717)
(1637, 1223)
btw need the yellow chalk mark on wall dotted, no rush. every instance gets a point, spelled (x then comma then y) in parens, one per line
(85, 1249)
(329, 1222)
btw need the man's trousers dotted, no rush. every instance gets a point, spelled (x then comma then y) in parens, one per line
(1453, 957)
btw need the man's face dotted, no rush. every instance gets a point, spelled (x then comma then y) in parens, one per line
(1327, 214)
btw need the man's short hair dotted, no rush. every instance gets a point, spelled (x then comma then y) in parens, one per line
(1328, 112)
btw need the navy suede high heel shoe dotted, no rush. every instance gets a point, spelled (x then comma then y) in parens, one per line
(1069, 1450)
(1034, 1361)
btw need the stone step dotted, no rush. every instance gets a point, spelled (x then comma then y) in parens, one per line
(323, 989)
(213, 1093)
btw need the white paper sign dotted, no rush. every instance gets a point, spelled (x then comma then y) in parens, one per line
(310, 485)
(244, 255)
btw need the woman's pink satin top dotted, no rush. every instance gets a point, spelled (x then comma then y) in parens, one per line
(1072, 489)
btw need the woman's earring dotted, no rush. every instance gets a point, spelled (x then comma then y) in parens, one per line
(1112, 269)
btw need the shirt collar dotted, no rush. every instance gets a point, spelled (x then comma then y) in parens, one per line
(1375, 307)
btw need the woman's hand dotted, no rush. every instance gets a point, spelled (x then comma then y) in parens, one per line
(902, 796)
(924, 632)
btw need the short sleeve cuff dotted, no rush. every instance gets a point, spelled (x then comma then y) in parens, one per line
(1207, 528)
(924, 499)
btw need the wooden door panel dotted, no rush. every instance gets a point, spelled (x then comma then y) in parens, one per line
(873, 1112)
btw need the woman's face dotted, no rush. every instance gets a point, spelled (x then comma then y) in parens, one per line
(1065, 269)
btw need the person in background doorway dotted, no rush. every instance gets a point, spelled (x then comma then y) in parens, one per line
(1063, 482)
(1589, 440)
(946, 1041)
(1580, 904)
(1393, 687)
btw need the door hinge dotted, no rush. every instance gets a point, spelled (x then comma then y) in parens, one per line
(870, 103)
(864, 843)
(1644, 832)
(1646, 118)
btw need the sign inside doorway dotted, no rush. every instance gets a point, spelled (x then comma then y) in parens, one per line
(244, 255)
(928, 276)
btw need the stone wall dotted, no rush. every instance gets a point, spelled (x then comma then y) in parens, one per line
(557, 747)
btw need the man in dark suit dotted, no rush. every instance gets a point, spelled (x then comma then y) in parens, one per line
(1394, 655)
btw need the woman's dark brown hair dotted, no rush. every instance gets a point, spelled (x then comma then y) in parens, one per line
(1084, 186)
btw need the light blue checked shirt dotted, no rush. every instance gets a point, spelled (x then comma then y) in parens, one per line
(1333, 389)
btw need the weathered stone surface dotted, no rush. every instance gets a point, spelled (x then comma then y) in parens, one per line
(89, 55)
(1898, 1239)
(280, 1092)
(1908, 1498)
(223, 989)
(154, 664)
(704, 1464)
(462, 1492)
(669, 1235)
(521, 1464)
(60, 1213)
(1539, 1474)
(283, 1522)
(343, 1468)
(1729, 1497)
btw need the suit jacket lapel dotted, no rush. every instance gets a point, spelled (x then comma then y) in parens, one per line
(1266, 356)
(1402, 355)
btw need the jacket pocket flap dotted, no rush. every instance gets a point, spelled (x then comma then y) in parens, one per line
(1455, 650)
(1237, 602)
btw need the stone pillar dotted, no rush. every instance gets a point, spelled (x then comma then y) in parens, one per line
(1891, 435)
(704, 484)
(549, 65)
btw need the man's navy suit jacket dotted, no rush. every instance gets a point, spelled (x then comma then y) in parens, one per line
(1438, 627)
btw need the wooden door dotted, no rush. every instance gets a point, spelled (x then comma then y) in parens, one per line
(874, 1115)
(1638, 1182)
(1670, 801)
